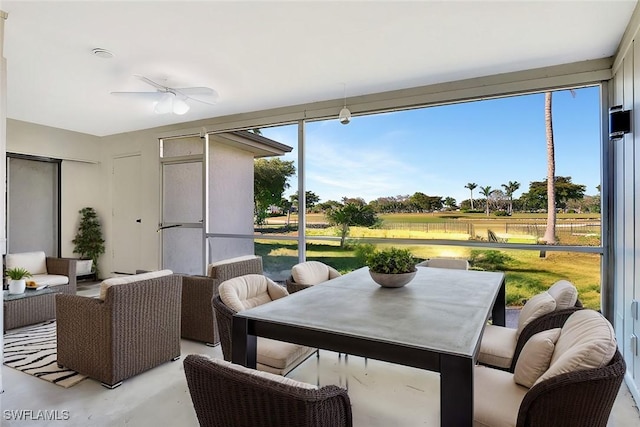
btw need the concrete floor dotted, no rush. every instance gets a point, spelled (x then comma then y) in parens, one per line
(382, 394)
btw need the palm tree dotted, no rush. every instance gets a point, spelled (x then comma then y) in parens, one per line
(486, 192)
(471, 186)
(509, 189)
(550, 233)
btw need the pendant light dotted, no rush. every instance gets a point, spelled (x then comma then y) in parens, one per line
(345, 114)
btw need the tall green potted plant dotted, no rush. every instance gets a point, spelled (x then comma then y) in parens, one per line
(89, 243)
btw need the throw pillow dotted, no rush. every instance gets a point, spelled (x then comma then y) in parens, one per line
(535, 357)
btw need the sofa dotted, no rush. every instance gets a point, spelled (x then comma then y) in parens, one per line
(58, 273)
(133, 326)
(198, 318)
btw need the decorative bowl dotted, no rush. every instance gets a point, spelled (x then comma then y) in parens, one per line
(392, 280)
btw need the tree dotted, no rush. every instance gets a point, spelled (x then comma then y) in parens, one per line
(550, 233)
(450, 202)
(509, 189)
(471, 186)
(89, 243)
(310, 199)
(486, 192)
(351, 214)
(269, 182)
(565, 190)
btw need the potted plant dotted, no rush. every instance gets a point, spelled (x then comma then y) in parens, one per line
(391, 268)
(17, 279)
(89, 242)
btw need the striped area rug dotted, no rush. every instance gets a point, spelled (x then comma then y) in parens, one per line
(32, 350)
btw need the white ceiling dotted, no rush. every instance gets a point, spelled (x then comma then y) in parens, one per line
(267, 54)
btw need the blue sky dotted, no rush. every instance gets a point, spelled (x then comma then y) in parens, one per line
(438, 150)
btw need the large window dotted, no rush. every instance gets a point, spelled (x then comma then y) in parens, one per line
(465, 180)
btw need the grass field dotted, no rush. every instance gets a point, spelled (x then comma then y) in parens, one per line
(526, 272)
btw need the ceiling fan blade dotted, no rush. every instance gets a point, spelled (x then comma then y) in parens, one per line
(203, 101)
(188, 91)
(142, 95)
(151, 82)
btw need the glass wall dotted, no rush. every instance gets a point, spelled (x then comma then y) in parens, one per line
(464, 180)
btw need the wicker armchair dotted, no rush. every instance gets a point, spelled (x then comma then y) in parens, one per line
(574, 398)
(224, 394)
(309, 273)
(198, 320)
(135, 327)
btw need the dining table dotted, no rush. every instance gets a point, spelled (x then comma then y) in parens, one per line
(435, 322)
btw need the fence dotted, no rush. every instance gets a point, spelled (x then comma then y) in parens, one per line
(432, 227)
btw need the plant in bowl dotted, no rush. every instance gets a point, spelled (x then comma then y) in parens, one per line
(17, 279)
(392, 268)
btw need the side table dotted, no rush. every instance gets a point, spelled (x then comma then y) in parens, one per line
(28, 308)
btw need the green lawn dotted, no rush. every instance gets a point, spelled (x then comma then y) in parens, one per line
(526, 272)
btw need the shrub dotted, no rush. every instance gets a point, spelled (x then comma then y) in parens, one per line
(362, 251)
(501, 213)
(491, 260)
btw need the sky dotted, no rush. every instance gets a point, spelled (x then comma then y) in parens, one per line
(438, 150)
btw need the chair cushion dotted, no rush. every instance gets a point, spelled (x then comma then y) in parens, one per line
(117, 281)
(535, 357)
(211, 267)
(586, 341)
(261, 374)
(248, 291)
(279, 357)
(33, 262)
(497, 346)
(496, 398)
(537, 306)
(564, 293)
(310, 273)
(50, 279)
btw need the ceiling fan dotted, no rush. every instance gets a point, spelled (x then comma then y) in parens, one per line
(172, 100)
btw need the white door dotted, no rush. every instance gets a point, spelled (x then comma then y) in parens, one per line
(127, 217)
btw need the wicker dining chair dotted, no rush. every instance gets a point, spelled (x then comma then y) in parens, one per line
(309, 273)
(574, 397)
(225, 394)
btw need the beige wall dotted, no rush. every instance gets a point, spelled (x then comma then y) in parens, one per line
(625, 91)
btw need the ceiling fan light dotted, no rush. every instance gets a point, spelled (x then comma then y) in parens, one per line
(180, 107)
(165, 105)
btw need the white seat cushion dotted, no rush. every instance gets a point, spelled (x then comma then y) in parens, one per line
(535, 357)
(497, 346)
(261, 374)
(117, 281)
(564, 293)
(310, 273)
(33, 262)
(537, 306)
(586, 341)
(49, 279)
(248, 291)
(496, 398)
(279, 357)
